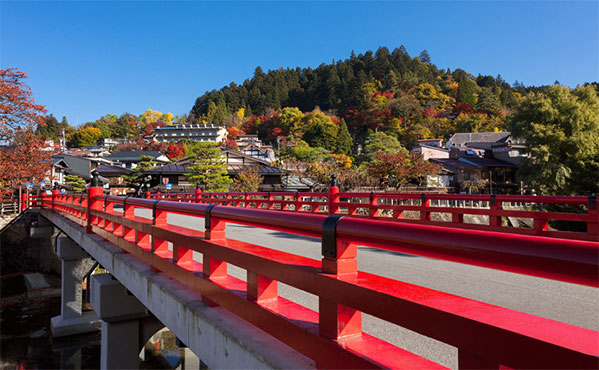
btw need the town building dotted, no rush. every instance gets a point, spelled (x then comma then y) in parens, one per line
(111, 142)
(130, 158)
(96, 151)
(198, 132)
(66, 164)
(431, 148)
(472, 170)
(252, 146)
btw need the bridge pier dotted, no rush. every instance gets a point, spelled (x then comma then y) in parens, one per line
(126, 323)
(75, 264)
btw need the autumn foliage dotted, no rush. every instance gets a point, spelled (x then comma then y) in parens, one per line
(18, 111)
(22, 159)
(397, 169)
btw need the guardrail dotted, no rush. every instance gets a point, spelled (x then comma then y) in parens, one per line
(9, 206)
(485, 335)
(422, 208)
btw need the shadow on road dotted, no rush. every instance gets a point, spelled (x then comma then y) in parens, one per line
(393, 253)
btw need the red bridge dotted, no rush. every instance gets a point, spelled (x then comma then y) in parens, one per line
(486, 336)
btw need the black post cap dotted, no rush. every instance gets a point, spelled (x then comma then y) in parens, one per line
(333, 180)
(95, 179)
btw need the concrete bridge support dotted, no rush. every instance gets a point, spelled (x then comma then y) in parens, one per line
(126, 323)
(75, 264)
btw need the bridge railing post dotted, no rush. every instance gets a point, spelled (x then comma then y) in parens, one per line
(213, 268)
(372, 211)
(94, 191)
(24, 201)
(494, 207)
(593, 211)
(55, 194)
(332, 196)
(425, 202)
(198, 195)
(339, 258)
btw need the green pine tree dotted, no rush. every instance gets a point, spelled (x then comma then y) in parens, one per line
(465, 93)
(75, 183)
(209, 169)
(136, 178)
(344, 140)
(488, 102)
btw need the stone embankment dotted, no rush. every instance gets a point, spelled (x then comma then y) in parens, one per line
(5, 220)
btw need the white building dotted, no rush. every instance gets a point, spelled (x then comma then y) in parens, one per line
(198, 132)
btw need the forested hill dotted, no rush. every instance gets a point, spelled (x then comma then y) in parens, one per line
(339, 86)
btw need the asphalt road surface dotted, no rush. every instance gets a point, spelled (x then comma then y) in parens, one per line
(573, 304)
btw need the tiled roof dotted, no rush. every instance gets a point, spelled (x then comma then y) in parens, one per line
(452, 163)
(463, 138)
(169, 169)
(471, 162)
(488, 162)
(132, 155)
(107, 170)
(262, 170)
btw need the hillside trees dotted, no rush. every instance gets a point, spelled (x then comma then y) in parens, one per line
(85, 136)
(319, 131)
(52, 129)
(561, 128)
(344, 142)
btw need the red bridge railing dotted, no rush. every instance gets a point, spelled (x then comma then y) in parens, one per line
(449, 210)
(485, 335)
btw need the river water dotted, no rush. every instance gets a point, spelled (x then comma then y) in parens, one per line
(26, 342)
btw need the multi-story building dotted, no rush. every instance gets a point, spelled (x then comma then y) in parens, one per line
(198, 132)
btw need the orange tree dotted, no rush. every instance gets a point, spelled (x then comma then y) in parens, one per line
(397, 169)
(21, 157)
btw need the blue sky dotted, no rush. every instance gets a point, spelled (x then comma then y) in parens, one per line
(89, 58)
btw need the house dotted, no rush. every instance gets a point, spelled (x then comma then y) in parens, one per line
(130, 158)
(198, 132)
(472, 168)
(117, 185)
(252, 146)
